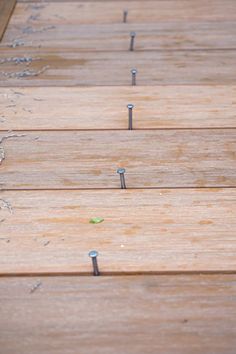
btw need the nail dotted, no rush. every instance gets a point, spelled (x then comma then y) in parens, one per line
(125, 14)
(93, 255)
(130, 108)
(121, 172)
(132, 36)
(134, 72)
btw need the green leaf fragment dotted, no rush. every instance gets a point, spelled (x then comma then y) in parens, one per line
(96, 220)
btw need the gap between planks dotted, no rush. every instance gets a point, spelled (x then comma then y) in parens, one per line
(117, 274)
(109, 130)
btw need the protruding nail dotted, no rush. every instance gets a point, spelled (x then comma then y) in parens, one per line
(134, 73)
(130, 114)
(125, 14)
(132, 36)
(121, 172)
(93, 255)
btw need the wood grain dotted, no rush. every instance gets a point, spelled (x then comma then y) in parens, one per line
(130, 315)
(104, 12)
(143, 231)
(97, 108)
(6, 9)
(174, 158)
(38, 67)
(56, 174)
(116, 37)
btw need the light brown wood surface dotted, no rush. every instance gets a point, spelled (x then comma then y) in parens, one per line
(58, 165)
(116, 37)
(6, 9)
(53, 67)
(132, 315)
(143, 231)
(103, 12)
(174, 158)
(176, 230)
(97, 108)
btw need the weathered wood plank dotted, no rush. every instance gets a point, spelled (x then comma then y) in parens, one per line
(32, 1)
(112, 12)
(37, 67)
(106, 107)
(172, 158)
(6, 9)
(165, 314)
(142, 231)
(168, 35)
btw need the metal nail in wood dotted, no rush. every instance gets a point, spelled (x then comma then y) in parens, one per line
(93, 255)
(130, 115)
(125, 14)
(121, 172)
(134, 73)
(132, 36)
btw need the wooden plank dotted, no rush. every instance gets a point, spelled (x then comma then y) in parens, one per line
(37, 67)
(6, 9)
(40, 1)
(158, 36)
(172, 158)
(170, 314)
(103, 12)
(143, 231)
(33, 1)
(106, 107)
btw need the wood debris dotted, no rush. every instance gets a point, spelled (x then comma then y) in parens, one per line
(10, 136)
(35, 287)
(25, 73)
(4, 204)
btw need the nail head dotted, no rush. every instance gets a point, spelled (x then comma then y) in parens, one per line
(93, 254)
(121, 170)
(130, 106)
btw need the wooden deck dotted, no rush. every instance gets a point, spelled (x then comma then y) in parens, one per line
(167, 243)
